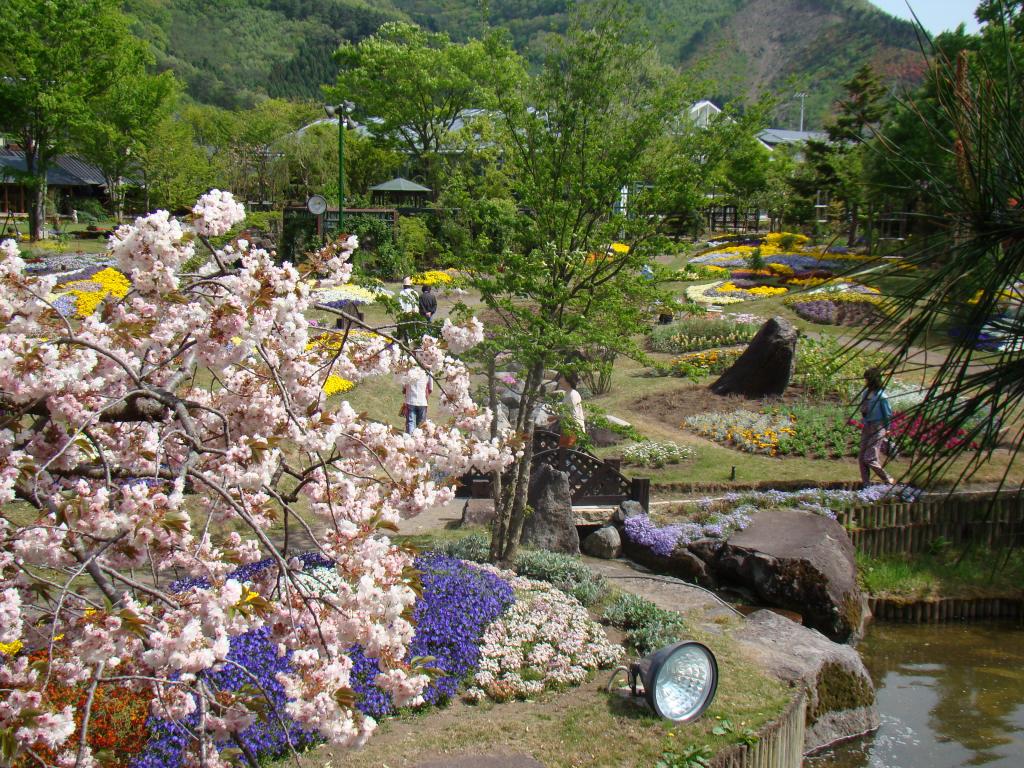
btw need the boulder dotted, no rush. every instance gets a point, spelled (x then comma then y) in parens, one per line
(841, 696)
(798, 561)
(765, 367)
(682, 563)
(604, 543)
(477, 512)
(552, 525)
(628, 508)
(603, 436)
(705, 549)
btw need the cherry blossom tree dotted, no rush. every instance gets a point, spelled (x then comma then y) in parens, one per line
(152, 445)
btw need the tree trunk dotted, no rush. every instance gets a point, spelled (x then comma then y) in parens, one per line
(511, 513)
(500, 522)
(37, 194)
(854, 223)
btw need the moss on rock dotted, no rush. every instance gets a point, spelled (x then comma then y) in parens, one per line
(838, 689)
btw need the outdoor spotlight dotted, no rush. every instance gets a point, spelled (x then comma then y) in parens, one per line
(679, 681)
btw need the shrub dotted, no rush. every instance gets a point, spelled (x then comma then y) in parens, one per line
(647, 626)
(476, 547)
(567, 573)
(820, 363)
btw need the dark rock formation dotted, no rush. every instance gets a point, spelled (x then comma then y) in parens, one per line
(799, 561)
(682, 563)
(841, 696)
(604, 543)
(765, 367)
(552, 525)
(628, 508)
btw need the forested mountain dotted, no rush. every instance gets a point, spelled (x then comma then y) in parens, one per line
(234, 51)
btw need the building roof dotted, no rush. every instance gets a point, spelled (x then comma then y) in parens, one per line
(65, 171)
(774, 136)
(399, 184)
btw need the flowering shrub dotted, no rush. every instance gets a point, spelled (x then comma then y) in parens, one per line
(545, 640)
(745, 430)
(654, 454)
(207, 385)
(334, 385)
(826, 368)
(568, 573)
(433, 277)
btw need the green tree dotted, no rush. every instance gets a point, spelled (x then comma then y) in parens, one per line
(56, 59)
(414, 85)
(175, 168)
(561, 293)
(123, 119)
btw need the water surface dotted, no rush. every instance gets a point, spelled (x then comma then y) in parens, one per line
(949, 696)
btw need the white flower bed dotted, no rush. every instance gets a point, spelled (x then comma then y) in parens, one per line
(698, 294)
(545, 640)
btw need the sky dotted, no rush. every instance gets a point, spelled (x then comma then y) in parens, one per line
(936, 15)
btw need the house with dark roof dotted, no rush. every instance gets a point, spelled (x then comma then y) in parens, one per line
(69, 176)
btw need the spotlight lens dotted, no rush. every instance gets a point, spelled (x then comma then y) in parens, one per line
(685, 683)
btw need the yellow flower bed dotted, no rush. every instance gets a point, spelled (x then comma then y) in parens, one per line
(88, 294)
(840, 297)
(11, 648)
(336, 384)
(620, 248)
(808, 282)
(698, 294)
(776, 237)
(432, 277)
(760, 290)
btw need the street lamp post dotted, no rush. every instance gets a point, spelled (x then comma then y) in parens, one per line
(801, 96)
(341, 111)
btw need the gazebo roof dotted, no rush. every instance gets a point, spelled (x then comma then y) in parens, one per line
(399, 184)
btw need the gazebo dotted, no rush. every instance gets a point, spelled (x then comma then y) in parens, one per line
(400, 193)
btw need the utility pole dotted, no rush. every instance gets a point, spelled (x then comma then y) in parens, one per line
(801, 96)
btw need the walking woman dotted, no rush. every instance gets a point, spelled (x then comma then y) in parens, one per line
(877, 413)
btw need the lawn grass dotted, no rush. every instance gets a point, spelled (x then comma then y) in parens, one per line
(944, 572)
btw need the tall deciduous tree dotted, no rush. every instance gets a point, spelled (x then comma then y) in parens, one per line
(575, 136)
(56, 58)
(413, 86)
(123, 118)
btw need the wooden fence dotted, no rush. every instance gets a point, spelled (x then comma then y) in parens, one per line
(779, 744)
(888, 528)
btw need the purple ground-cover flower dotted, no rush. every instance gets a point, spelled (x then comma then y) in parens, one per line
(458, 602)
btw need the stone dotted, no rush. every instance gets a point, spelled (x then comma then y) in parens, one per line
(552, 525)
(477, 512)
(799, 561)
(628, 508)
(841, 696)
(503, 418)
(604, 543)
(705, 549)
(765, 367)
(682, 563)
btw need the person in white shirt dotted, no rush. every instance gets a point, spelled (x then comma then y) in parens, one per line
(574, 405)
(416, 389)
(409, 305)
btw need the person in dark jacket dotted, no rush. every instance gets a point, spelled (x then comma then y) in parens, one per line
(877, 413)
(428, 304)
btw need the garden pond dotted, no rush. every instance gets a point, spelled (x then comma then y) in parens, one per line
(949, 696)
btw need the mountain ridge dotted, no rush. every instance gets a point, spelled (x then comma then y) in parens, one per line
(236, 52)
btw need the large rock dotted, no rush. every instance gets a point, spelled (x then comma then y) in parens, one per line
(604, 543)
(765, 367)
(682, 563)
(841, 696)
(552, 525)
(799, 561)
(628, 508)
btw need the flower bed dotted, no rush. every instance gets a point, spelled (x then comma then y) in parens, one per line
(744, 430)
(545, 640)
(701, 294)
(348, 295)
(693, 334)
(833, 310)
(697, 365)
(433, 277)
(79, 294)
(653, 454)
